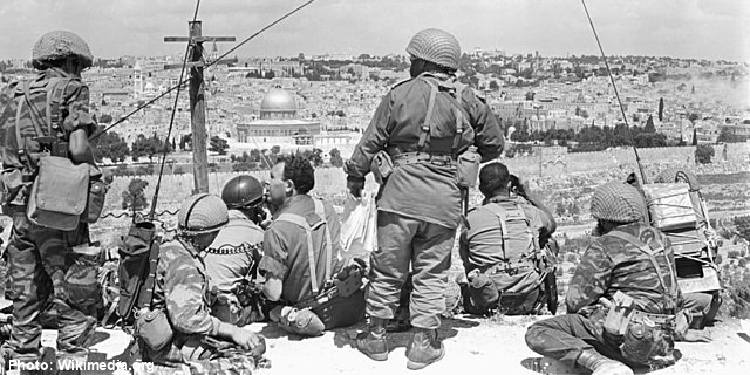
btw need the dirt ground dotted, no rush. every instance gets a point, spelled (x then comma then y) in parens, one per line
(472, 344)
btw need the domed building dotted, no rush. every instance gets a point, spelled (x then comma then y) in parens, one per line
(278, 121)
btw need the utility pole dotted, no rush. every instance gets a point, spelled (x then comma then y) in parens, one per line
(198, 98)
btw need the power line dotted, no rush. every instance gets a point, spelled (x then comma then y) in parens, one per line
(181, 82)
(171, 122)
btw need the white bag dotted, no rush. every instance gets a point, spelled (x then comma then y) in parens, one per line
(358, 225)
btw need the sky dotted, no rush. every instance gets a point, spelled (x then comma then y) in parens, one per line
(702, 29)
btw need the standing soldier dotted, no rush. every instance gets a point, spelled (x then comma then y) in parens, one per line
(424, 131)
(235, 253)
(625, 308)
(44, 130)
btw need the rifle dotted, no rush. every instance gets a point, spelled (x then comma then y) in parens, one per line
(548, 265)
(348, 281)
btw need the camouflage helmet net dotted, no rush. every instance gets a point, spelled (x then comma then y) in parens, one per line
(618, 202)
(202, 213)
(59, 45)
(437, 46)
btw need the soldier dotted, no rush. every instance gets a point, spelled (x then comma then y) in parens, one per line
(235, 253)
(48, 118)
(179, 326)
(424, 128)
(502, 243)
(302, 251)
(624, 305)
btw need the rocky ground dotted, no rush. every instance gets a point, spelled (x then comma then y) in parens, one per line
(472, 344)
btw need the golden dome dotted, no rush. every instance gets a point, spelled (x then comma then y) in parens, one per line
(278, 100)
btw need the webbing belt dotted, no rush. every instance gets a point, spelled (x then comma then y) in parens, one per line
(663, 319)
(412, 157)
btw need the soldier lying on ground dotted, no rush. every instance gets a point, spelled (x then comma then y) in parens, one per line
(179, 326)
(302, 254)
(624, 305)
(502, 247)
(232, 259)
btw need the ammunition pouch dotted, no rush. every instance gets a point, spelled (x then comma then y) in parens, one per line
(619, 315)
(382, 166)
(153, 327)
(646, 339)
(226, 307)
(97, 193)
(59, 195)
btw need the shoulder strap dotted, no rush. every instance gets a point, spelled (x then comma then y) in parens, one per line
(321, 211)
(651, 253)
(427, 125)
(55, 103)
(300, 221)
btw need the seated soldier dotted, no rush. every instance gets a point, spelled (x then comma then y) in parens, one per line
(179, 327)
(234, 255)
(501, 244)
(302, 253)
(624, 305)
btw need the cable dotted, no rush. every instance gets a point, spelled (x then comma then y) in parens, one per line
(165, 93)
(171, 122)
(617, 94)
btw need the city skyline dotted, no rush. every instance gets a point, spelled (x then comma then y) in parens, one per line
(701, 29)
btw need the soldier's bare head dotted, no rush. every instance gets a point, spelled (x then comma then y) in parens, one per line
(494, 179)
(291, 176)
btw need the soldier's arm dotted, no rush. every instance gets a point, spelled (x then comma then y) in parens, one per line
(373, 141)
(488, 132)
(273, 265)
(590, 280)
(183, 292)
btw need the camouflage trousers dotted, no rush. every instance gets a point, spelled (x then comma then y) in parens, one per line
(193, 355)
(564, 337)
(48, 281)
(408, 245)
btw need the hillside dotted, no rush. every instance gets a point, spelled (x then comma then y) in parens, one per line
(471, 344)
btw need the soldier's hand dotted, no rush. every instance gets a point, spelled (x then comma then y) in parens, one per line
(696, 336)
(248, 340)
(355, 186)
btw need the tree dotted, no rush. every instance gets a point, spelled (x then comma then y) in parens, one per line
(219, 145)
(174, 144)
(494, 86)
(704, 153)
(105, 119)
(336, 159)
(110, 145)
(650, 128)
(275, 150)
(134, 197)
(661, 108)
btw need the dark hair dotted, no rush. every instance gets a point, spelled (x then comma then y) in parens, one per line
(493, 177)
(301, 172)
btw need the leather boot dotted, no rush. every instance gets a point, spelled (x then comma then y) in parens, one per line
(374, 343)
(601, 365)
(424, 349)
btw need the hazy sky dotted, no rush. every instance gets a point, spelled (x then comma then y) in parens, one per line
(711, 29)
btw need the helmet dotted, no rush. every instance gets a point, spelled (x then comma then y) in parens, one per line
(437, 46)
(618, 202)
(202, 213)
(242, 191)
(58, 45)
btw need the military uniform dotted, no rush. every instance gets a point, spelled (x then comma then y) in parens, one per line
(608, 266)
(44, 270)
(411, 226)
(481, 249)
(285, 253)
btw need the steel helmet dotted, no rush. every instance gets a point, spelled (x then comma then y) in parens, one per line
(437, 46)
(202, 213)
(618, 202)
(242, 191)
(59, 45)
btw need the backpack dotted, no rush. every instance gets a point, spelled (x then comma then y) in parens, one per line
(519, 241)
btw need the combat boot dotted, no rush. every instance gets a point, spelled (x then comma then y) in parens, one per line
(424, 349)
(601, 365)
(374, 343)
